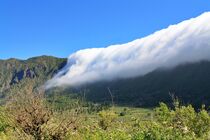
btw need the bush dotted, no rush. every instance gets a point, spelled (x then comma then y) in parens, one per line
(28, 116)
(106, 119)
(31, 113)
(3, 120)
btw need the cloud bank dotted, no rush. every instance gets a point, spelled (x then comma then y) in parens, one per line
(188, 41)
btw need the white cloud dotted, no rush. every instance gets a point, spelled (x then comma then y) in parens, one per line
(188, 41)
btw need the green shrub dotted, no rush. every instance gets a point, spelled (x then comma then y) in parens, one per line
(106, 119)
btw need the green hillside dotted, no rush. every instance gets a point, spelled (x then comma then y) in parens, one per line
(15, 73)
(189, 82)
(31, 115)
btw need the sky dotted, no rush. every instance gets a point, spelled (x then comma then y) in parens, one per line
(61, 27)
(185, 42)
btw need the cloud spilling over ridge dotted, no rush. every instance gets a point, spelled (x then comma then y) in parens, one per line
(188, 41)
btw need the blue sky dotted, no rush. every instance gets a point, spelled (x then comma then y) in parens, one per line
(60, 27)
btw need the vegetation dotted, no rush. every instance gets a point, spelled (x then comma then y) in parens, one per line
(189, 82)
(27, 113)
(30, 115)
(15, 74)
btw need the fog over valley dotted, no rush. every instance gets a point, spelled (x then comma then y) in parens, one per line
(187, 41)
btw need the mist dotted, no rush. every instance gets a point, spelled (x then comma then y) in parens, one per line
(188, 41)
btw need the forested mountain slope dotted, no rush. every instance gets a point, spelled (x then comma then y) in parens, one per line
(189, 82)
(16, 73)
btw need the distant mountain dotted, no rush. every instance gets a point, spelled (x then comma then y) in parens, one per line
(16, 73)
(189, 82)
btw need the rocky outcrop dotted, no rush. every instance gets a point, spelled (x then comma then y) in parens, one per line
(40, 69)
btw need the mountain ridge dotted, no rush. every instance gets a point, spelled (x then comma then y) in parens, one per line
(189, 82)
(14, 71)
